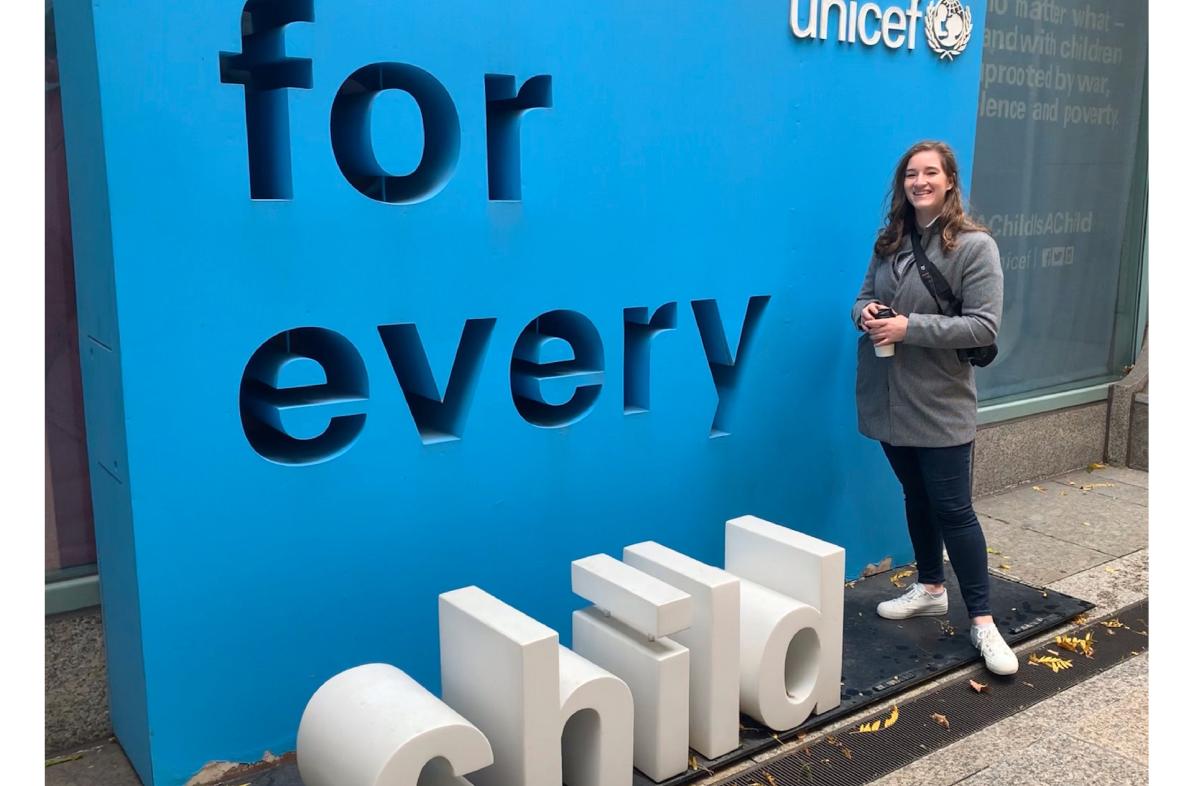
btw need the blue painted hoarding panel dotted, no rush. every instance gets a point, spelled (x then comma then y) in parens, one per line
(618, 240)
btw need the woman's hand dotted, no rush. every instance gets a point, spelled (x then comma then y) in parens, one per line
(886, 331)
(868, 312)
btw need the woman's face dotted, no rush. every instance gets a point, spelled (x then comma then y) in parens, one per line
(925, 183)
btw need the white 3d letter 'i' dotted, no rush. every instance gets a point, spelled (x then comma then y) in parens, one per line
(626, 632)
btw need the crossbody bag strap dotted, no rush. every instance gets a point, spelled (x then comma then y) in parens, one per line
(933, 280)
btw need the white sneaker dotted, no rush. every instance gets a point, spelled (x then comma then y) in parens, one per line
(996, 654)
(916, 602)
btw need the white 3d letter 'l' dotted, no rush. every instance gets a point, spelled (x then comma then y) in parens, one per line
(792, 617)
(375, 726)
(712, 641)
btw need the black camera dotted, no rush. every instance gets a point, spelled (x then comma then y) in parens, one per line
(884, 313)
(978, 356)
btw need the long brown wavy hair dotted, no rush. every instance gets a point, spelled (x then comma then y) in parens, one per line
(953, 220)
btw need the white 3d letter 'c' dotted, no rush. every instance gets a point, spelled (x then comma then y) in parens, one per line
(375, 726)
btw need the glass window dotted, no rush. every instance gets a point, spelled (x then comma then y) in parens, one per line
(1060, 178)
(70, 534)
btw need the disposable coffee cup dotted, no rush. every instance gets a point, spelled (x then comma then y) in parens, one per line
(887, 350)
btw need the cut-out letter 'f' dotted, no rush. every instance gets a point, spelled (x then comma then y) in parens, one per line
(264, 69)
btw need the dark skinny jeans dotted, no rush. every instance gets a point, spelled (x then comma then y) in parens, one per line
(936, 485)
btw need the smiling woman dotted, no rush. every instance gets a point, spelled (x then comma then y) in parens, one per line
(920, 402)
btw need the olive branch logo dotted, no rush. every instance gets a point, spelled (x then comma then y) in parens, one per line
(948, 28)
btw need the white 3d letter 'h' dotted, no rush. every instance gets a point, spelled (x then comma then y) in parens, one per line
(508, 674)
(792, 616)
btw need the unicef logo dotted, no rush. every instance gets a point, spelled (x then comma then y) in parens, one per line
(948, 28)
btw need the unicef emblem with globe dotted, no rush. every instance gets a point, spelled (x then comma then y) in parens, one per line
(948, 28)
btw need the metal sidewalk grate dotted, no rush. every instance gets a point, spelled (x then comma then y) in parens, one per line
(853, 758)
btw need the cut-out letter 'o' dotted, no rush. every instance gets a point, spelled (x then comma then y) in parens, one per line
(352, 141)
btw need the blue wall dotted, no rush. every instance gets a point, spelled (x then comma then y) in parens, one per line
(691, 152)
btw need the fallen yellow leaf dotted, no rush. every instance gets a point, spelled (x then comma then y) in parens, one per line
(882, 723)
(1038, 488)
(1050, 661)
(1096, 465)
(979, 687)
(770, 778)
(1079, 619)
(1084, 646)
(941, 720)
(903, 574)
(991, 550)
(1115, 623)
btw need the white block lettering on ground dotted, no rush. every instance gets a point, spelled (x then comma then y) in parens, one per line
(597, 724)
(655, 667)
(712, 641)
(500, 669)
(809, 571)
(650, 606)
(657, 673)
(780, 651)
(374, 726)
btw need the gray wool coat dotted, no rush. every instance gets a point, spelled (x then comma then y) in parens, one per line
(924, 396)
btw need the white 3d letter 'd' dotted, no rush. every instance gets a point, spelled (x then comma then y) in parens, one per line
(792, 616)
(375, 726)
(712, 641)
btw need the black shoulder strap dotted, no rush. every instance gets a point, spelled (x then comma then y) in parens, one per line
(935, 282)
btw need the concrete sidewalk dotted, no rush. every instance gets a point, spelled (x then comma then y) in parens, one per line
(1084, 534)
